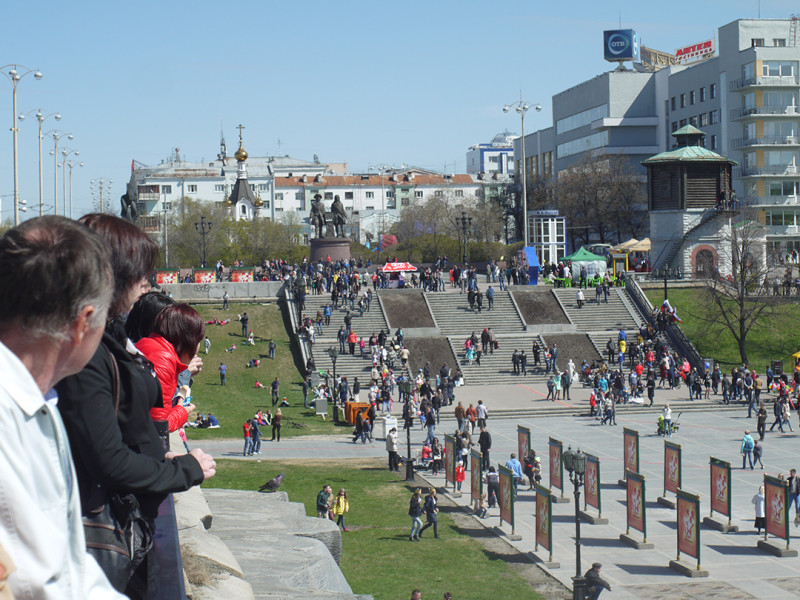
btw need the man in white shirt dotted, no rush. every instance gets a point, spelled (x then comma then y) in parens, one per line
(53, 303)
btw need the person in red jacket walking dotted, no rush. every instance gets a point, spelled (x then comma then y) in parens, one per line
(177, 333)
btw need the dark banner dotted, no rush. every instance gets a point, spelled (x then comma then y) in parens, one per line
(523, 442)
(476, 474)
(688, 524)
(506, 499)
(672, 467)
(720, 486)
(556, 466)
(449, 459)
(591, 482)
(636, 502)
(630, 450)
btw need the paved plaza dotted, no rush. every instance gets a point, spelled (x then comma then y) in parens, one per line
(737, 568)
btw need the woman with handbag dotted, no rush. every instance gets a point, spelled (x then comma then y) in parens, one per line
(123, 472)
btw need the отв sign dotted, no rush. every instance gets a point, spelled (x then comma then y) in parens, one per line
(621, 45)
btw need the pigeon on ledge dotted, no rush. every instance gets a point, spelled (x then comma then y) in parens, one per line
(273, 484)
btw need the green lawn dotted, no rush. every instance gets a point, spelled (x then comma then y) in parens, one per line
(239, 399)
(772, 339)
(377, 557)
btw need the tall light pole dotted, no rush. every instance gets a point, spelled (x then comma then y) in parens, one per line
(382, 169)
(575, 463)
(14, 76)
(71, 164)
(104, 189)
(166, 240)
(203, 227)
(40, 117)
(57, 135)
(522, 107)
(66, 153)
(466, 225)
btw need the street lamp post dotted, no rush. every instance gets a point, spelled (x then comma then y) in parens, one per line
(57, 135)
(41, 118)
(521, 107)
(382, 170)
(466, 226)
(204, 227)
(66, 153)
(70, 164)
(334, 354)
(15, 77)
(575, 463)
(104, 189)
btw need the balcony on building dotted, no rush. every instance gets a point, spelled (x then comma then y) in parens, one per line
(764, 81)
(772, 170)
(787, 140)
(763, 111)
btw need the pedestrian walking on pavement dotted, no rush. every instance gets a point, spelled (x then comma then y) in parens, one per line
(747, 449)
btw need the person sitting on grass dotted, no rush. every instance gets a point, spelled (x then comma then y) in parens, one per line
(252, 363)
(260, 386)
(231, 349)
(251, 339)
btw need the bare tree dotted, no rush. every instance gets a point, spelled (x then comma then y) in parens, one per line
(599, 195)
(732, 300)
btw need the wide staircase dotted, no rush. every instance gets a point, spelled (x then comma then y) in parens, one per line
(454, 317)
(497, 367)
(346, 365)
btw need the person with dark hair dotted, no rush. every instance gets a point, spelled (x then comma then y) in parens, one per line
(53, 304)
(116, 448)
(177, 333)
(142, 317)
(431, 508)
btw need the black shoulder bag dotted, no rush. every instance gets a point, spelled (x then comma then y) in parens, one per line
(117, 535)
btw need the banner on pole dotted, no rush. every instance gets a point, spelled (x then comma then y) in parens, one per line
(168, 276)
(556, 465)
(636, 502)
(449, 458)
(523, 442)
(591, 482)
(544, 519)
(630, 450)
(476, 474)
(688, 524)
(672, 467)
(720, 486)
(506, 499)
(777, 506)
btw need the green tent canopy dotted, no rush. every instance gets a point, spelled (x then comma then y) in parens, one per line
(583, 255)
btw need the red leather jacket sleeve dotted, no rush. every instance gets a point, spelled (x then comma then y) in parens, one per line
(167, 366)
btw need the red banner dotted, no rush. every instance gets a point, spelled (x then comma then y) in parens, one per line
(168, 276)
(630, 446)
(556, 468)
(636, 502)
(506, 499)
(672, 467)
(476, 475)
(449, 462)
(204, 276)
(544, 522)
(591, 482)
(721, 487)
(242, 275)
(523, 442)
(777, 507)
(689, 524)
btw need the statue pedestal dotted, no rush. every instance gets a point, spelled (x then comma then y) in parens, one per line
(336, 248)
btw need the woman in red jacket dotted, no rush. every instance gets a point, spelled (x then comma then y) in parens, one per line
(177, 333)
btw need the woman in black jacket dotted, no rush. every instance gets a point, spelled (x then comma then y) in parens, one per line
(117, 449)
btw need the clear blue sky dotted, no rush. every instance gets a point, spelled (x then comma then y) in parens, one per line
(356, 82)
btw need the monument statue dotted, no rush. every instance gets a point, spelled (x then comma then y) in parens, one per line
(317, 216)
(128, 202)
(339, 217)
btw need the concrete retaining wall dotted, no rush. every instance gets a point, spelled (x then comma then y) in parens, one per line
(237, 292)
